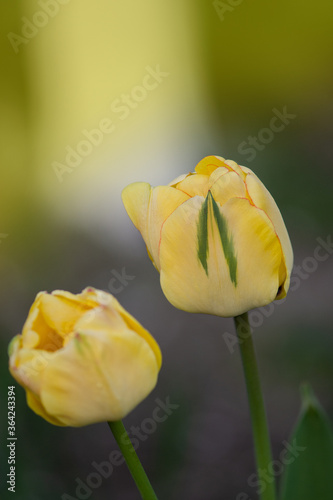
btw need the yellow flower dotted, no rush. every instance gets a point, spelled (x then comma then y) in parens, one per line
(83, 359)
(216, 236)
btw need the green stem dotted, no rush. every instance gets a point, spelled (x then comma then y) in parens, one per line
(257, 408)
(132, 460)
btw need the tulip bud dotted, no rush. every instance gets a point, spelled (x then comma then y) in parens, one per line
(216, 236)
(83, 359)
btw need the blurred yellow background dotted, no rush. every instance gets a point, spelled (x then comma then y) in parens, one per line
(220, 68)
(95, 95)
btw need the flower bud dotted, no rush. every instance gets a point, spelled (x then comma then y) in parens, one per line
(216, 236)
(83, 359)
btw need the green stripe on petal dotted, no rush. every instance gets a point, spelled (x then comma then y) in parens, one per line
(226, 240)
(202, 235)
(80, 342)
(225, 237)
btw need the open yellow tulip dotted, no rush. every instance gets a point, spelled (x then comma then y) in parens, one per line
(216, 236)
(83, 359)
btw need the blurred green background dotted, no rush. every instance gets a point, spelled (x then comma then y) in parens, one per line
(219, 73)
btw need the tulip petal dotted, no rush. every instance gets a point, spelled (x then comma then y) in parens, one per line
(148, 209)
(136, 199)
(53, 316)
(36, 406)
(134, 325)
(100, 319)
(113, 316)
(35, 323)
(86, 299)
(255, 247)
(216, 174)
(235, 167)
(194, 184)
(122, 371)
(229, 185)
(61, 312)
(178, 179)
(263, 199)
(208, 164)
(27, 367)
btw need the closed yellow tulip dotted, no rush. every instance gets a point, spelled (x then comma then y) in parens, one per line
(216, 236)
(83, 359)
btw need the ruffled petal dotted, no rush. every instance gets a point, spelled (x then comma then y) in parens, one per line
(208, 164)
(61, 312)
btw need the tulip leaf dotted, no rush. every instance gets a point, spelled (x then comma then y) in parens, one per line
(308, 471)
(203, 235)
(226, 240)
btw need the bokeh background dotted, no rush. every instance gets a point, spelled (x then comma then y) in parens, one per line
(223, 71)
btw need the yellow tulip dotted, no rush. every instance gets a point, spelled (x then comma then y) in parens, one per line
(216, 236)
(83, 359)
